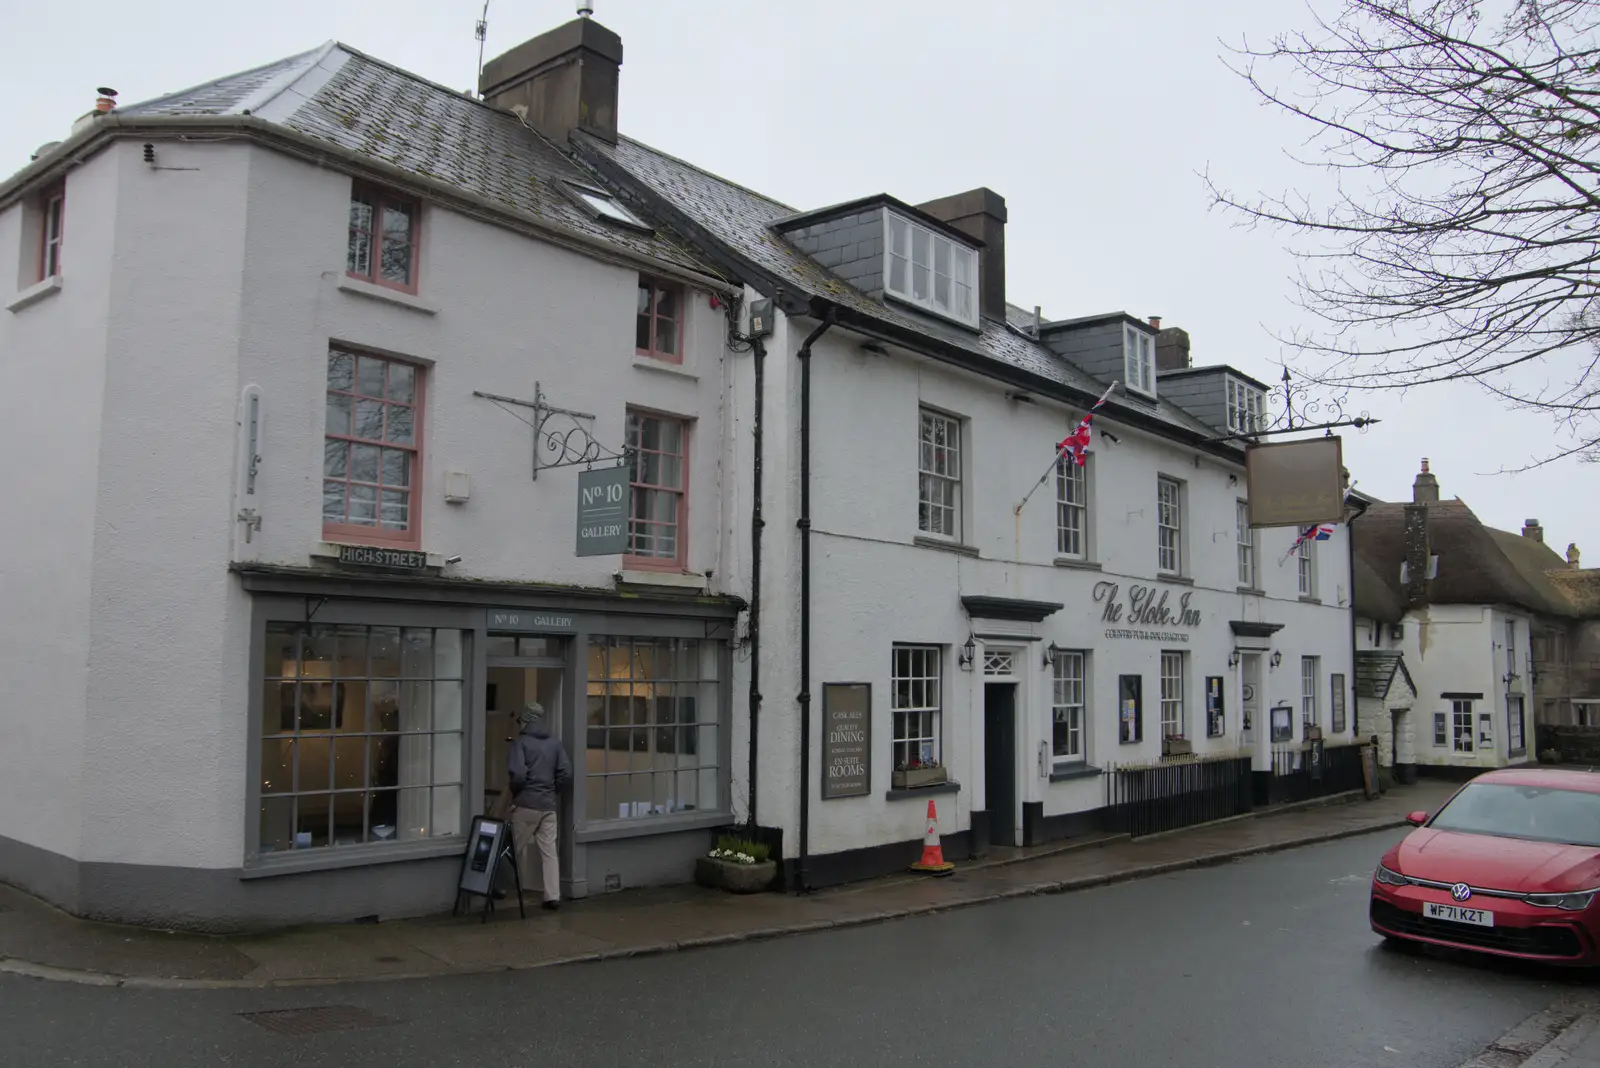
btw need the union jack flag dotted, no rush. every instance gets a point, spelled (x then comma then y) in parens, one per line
(1319, 532)
(1076, 444)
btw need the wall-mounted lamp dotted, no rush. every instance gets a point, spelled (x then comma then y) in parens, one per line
(1233, 480)
(1277, 658)
(968, 652)
(1233, 659)
(1019, 398)
(873, 348)
(1112, 437)
(1050, 655)
(452, 560)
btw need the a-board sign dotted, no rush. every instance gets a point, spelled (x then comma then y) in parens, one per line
(1369, 771)
(846, 739)
(484, 846)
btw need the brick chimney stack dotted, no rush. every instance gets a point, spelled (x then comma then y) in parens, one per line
(1532, 529)
(1172, 346)
(1572, 555)
(1425, 490)
(1419, 553)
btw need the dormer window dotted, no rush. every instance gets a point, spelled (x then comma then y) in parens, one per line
(1246, 408)
(1139, 361)
(929, 270)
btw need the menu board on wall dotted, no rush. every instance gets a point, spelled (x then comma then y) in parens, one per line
(1216, 719)
(846, 739)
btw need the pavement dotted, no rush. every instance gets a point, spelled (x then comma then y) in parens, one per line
(1258, 963)
(1564, 1034)
(39, 941)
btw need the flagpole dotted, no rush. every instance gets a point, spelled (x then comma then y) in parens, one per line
(1059, 450)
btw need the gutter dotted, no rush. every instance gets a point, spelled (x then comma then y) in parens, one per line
(113, 127)
(1350, 547)
(802, 879)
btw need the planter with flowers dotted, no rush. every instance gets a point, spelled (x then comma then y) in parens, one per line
(915, 773)
(737, 865)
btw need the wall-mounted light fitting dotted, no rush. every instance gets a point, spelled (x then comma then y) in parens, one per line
(1233, 659)
(969, 652)
(1277, 658)
(1050, 655)
(1111, 437)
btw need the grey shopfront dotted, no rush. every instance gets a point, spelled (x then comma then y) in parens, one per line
(380, 710)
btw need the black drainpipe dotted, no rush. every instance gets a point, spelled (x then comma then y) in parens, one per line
(756, 525)
(1350, 538)
(802, 879)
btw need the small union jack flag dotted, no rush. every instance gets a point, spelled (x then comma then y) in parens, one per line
(1319, 532)
(1076, 444)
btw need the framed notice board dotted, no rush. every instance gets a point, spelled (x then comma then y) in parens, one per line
(846, 739)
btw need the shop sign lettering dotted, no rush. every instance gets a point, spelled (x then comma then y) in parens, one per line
(846, 739)
(1145, 606)
(372, 556)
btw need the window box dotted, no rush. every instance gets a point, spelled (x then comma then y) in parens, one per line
(914, 778)
(1176, 746)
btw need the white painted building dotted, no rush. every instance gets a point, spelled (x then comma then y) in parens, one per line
(249, 331)
(1448, 608)
(275, 354)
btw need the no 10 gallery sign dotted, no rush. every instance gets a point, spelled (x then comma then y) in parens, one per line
(603, 512)
(846, 739)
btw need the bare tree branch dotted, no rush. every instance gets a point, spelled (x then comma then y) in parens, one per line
(1462, 237)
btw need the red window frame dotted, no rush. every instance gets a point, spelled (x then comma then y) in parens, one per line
(392, 399)
(53, 206)
(381, 202)
(648, 318)
(639, 488)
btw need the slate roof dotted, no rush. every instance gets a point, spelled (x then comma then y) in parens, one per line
(345, 98)
(1477, 564)
(1376, 670)
(742, 220)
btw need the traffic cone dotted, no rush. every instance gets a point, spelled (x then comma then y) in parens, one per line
(933, 861)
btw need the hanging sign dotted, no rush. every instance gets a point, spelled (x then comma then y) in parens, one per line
(603, 512)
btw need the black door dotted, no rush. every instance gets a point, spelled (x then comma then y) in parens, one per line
(1000, 762)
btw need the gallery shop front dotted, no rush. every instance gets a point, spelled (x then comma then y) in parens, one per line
(381, 708)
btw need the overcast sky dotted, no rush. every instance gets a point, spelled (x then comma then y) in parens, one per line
(1091, 119)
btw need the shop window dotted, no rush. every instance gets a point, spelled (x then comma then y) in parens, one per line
(1066, 731)
(915, 697)
(361, 736)
(658, 479)
(372, 450)
(653, 714)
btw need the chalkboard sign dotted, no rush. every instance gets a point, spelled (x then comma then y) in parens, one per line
(488, 846)
(846, 739)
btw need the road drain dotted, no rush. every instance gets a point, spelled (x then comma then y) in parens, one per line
(316, 1020)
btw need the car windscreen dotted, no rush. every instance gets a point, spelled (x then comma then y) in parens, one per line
(1539, 813)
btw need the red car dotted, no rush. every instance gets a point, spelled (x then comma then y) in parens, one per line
(1510, 866)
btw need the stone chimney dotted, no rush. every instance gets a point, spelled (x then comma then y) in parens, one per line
(980, 213)
(1425, 490)
(1532, 529)
(1172, 347)
(105, 102)
(1572, 555)
(1419, 553)
(560, 81)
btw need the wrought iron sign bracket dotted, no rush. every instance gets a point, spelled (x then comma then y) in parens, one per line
(561, 437)
(1297, 405)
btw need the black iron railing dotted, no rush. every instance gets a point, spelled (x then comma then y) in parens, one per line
(1296, 775)
(1150, 798)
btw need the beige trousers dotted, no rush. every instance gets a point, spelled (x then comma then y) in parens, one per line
(531, 828)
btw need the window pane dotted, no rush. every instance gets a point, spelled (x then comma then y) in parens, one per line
(341, 371)
(666, 337)
(369, 420)
(333, 500)
(338, 415)
(370, 375)
(396, 467)
(396, 510)
(364, 505)
(898, 268)
(277, 824)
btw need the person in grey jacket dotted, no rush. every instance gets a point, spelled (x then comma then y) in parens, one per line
(540, 773)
